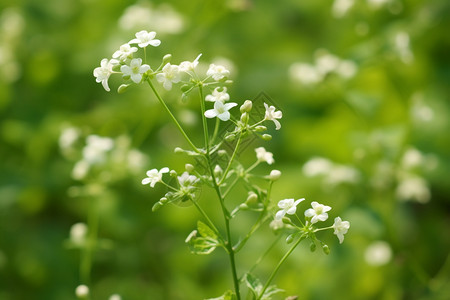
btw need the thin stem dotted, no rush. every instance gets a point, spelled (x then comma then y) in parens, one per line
(265, 253)
(216, 130)
(172, 117)
(226, 215)
(203, 213)
(86, 261)
(231, 159)
(279, 265)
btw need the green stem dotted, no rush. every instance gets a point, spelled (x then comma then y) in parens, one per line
(279, 265)
(226, 215)
(86, 261)
(231, 159)
(172, 117)
(265, 253)
(216, 130)
(211, 224)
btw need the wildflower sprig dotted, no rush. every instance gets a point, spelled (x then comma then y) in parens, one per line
(223, 175)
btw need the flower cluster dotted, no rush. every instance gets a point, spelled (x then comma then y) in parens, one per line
(317, 213)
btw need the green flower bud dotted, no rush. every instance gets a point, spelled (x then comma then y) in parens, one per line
(326, 249)
(167, 58)
(222, 152)
(122, 88)
(178, 150)
(244, 118)
(290, 238)
(246, 107)
(163, 200)
(260, 128)
(286, 220)
(252, 198)
(173, 173)
(312, 247)
(230, 137)
(189, 168)
(157, 206)
(274, 175)
(243, 206)
(266, 137)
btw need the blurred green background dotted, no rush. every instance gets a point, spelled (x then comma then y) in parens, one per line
(364, 89)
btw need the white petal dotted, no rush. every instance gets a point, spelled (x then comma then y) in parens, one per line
(167, 84)
(136, 78)
(105, 85)
(146, 181)
(291, 210)
(211, 113)
(310, 212)
(280, 214)
(230, 105)
(224, 116)
(155, 43)
(164, 170)
(277, 124)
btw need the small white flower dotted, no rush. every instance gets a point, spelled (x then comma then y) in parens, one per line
(82, 291)
(264, 156)
(318, 212)
(135, 70)
(378, 253)
(273, 115)
(288, 206)
(125, 51)
(103, 72)
(144, 38)
(340, 228)
(217, 95)
(170, 73)
(96, 148)
(115, 297)
(187, 66)
(187, 180)
(220, 110)
(154, 176)
(217, 72)
(78, 233)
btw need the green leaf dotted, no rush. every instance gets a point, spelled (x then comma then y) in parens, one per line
(254, 284)
(205, 231)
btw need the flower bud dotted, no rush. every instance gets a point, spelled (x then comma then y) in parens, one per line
(246, 107)
(178, 150)
(167, 58)
(156, 206)
(244, 118)
(290, 238)
(230, 137)
(189, 168)
(82, 291)
(173, 173)
(163, 200)
(312, 247)
(252, 198)
(274, 175)
(122, 88)
(243, 206)
(260, 128)
(266, 137)
(286, 220)
(222, 152)
(326, 249)
(217, 171)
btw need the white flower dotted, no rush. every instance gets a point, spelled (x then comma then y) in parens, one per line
(187, 180)
(82, 291)
(305, 73)
(317, 166)
(217, 72)
(170, 73)
(318, 212)
(273, 115)
(288, 206)
(144, 38)
(68, 137)
(96, 148)
(135, 70)
(103, 72)
(217, 95)
(378, 253)
(187, 66)
(220, 110)
(125, 51)
(115, 297)
(78, 233)
(154, 176)
(264, 156)
(340, 228)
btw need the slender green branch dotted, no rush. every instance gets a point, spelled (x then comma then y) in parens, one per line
(91, 243)
(265, 253)
(274, 272)
(208, 220)
(231, 159)
(172, 116)
(216, 131)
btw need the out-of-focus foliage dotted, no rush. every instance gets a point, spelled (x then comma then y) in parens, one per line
(364, 90)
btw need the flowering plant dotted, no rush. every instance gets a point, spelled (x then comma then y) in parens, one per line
(222, 177)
